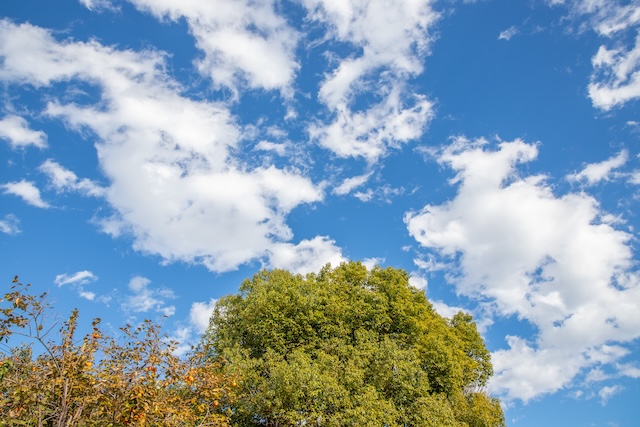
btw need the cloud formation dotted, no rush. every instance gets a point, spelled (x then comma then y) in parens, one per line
(601, 171)
(508, 33)
(63, 179)
(144, 299)
(77, 281)
(393, 38)
(174, 184)
(16, 131)
(27, 191)
(616, 76)
(200, 314)
(553, 261)
(10, 225)
(245, 43)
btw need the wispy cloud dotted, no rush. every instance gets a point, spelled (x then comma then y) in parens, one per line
(351, 183)
(63, 179)
(80, 278)
(10, 225)
(601, 171)
(608, 392)
(78, 281)
(508, 33)
(144, 299)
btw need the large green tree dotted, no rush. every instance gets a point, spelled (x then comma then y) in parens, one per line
(350, 347)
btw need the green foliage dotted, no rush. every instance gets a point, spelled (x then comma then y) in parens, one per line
(346, 347)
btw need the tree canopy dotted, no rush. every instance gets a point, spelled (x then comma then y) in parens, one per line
(350, 347)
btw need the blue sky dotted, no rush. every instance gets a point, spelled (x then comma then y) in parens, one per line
(157, 152)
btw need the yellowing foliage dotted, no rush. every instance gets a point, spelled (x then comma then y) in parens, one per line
(97, 380)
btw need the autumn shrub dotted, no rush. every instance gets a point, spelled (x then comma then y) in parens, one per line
(58, 379)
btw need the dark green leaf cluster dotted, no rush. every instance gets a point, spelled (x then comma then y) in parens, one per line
(350, 347)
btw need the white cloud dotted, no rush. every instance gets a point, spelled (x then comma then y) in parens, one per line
(615, 79)
(10, 225)
(370, 263)
(144, 299)
(27, 191)
(444, 309)
(370, 133)
(394, 35)
(200, 314)
(63, 179)
(15, 129)
(508, 33)
(97, 5)
(174, 184)
(244, 41)
(280, 148)
(608, 392)
(351, 183)
(596, 172)
(394, 38)
(307, 256)
(418, 281)
(83, 277)
(77, 281)
(596, 375)
(91, 296)
(628, 370)
(553, 261)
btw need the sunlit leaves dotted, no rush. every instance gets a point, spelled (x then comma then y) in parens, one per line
(132, 380)
(348, 346)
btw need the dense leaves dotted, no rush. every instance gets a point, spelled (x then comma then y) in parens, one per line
(101, 381)
(350, 347)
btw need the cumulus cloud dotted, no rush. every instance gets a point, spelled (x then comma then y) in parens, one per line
(10, 225)
(244, 42)
(596, 172)
(144, 299)
(418, 281)
(16, 131)
(444, 309)
(27, 191)
(394, 38)
(307, 256)
(174, 184)
(371, 263)
(200, 314)
(553, 261)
